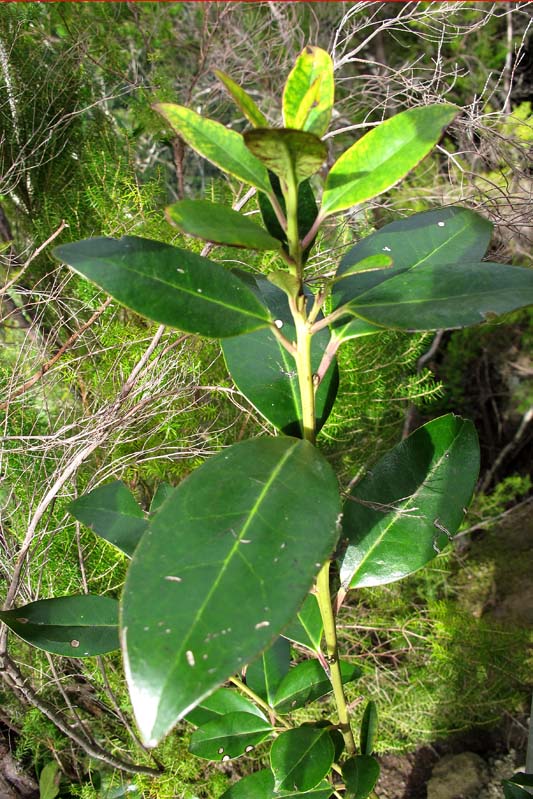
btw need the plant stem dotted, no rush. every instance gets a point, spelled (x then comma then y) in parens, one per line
(259, 701)
(305, 378)
(330, 634)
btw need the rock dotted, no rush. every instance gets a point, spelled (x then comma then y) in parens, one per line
(458, 777)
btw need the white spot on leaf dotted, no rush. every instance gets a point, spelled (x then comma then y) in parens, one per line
(190, 657)
(278, 323)
(74, 643)
(172, 579)
(441, 224)
(262, 624)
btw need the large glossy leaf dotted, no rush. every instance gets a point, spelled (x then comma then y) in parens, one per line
(289, 154)
(308, 681)
(369, 724)
(264, 675)
(243, 101)
(442, 236)
(261, 786)
(512, 791)
(309, 92)
(307, 627)
(221, 570)
(77, 626)
(213, 222)
(445, 296)
(223, 147)
(229, 736)
(399, 516)
(360, 776)
(219, 703)
(112, 513)
(307, 212)
(266, 373)
(169, 285)
(301, 758)
(385, 155)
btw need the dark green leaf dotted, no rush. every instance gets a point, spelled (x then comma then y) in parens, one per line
(112, 513)
(264, 675)
(369, 264)
(49, 779)
(213, 222)
(308, 681)
(309, 92)
(369, 726)
(289, 154)
(77, 626)
(521, 778)
(162, 491)
(301, 758)
(385, 155)
(243, 101)
(220, 703)
(323, 790)
(223, 147)
(266, 373)
(221, 571)
(307, 212)
(444, 296)
(398, 517)
(513, 791)
(229, 736)
(307, 627)
(360, 776)
(169, 285)
(256, 786)
(443, 236)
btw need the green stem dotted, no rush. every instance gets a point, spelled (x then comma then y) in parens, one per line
(293, 236)
(259, 701)
(330, 635)
(305, 378)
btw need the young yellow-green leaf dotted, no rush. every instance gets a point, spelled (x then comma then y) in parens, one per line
(300, 758)
(112, 513)
(265, 673)
(309, 92)
(243, 101)
(369, 724)
(398, 517)
(307, 627)
(49, 780)
(308, 681)
(229, 736)
(213, 222)
(220, 703)
(169, 285)
(77, 626)
(286, 152)
(360, 776)
(385, 155)
(266, 373)
(221, 570)
(223, 147)
(261, 786)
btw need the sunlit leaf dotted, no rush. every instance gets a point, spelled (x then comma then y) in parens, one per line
(300, 758)
(369, 724)
(403, 512)
(309, 92)
(229, 736)
(307, 627)
(287, 153)
(220, 703)
(212, 222)
(243, 101)
(360, 776)
(308, 681)
(265, 673)
(261, 786)
(77, 626)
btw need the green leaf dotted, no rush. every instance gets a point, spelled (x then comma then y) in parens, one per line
(512, 791)
(289, 154)
(243, 101)
(309, 92)
(522, 778)
(264, 675)
(169, 285)
(266, 373)
(443, 236)
(307, 212)
(49, 779)
(212, 222)
(220, 703)
(229, 736)
(162, 492)
(301, 758)
(307, 627)
(223, 147)
(385, 155)
(308, 681)
(445, 296)
(112, 512)
(221, 571)
(369, 264)
(369, 726)
(261, 786)
(360, 776)
(398, 517)
(77, 626)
